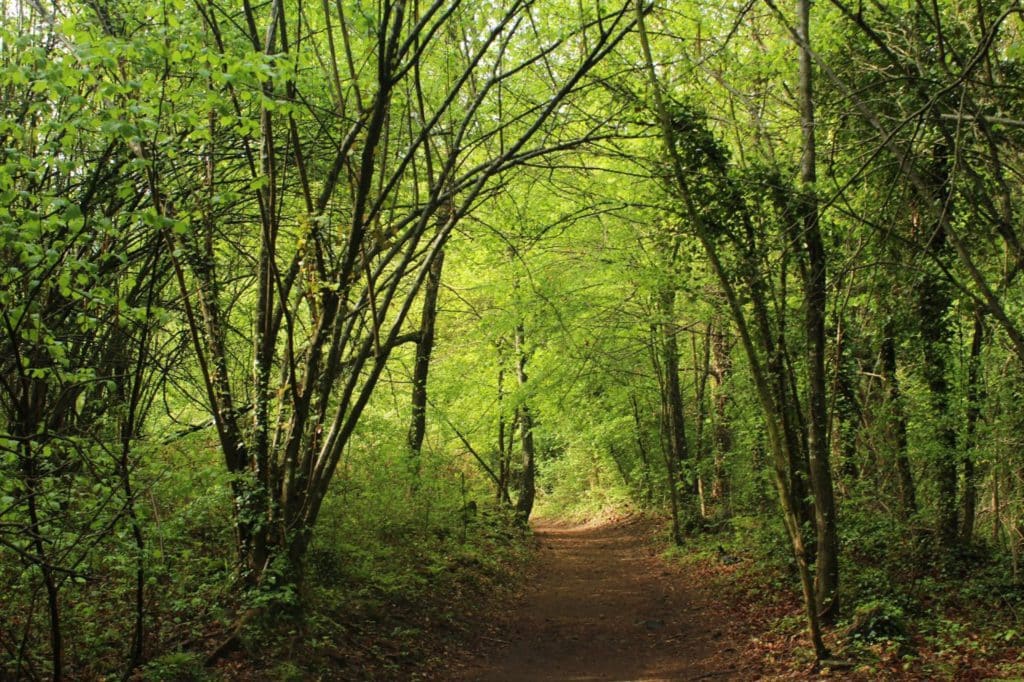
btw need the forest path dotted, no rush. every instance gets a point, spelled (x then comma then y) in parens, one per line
(600, 604)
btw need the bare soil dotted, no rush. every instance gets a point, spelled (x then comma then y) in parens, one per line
(601, 604)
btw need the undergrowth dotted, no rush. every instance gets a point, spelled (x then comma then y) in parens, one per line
(394, 577)
(395, 571)
(905, 614)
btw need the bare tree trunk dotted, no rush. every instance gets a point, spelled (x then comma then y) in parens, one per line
(665, 429)
(528, 490)
(933, 305)
(773, 412)
(898, 424)
(701, 360)
(827, 563)
(721, 370)
(645, 459)
(32, 481)
(969, 502)
(792, 430)
(504, 447)
(421, 368)
(130, 388)
(675, 420)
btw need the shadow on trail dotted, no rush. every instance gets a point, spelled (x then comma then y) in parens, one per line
(601, 605)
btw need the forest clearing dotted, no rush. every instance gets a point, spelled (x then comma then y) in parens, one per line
(511, 339)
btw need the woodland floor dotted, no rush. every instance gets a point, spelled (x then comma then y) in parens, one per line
(601, 604)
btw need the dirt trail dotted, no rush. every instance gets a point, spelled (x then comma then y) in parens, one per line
(602, 605)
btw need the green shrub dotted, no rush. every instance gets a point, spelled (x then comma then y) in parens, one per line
(876, 621)
(177, 666)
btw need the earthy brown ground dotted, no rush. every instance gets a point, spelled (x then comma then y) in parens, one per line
(597, 602)
(600, 604)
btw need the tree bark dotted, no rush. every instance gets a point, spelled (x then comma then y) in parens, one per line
(780, 454)
(421, 368)
(721, 369)
(33, 483)
(897, 424)
(827, 563)
(675, 420)
(933, 304)
(641, 447)
(969, 502)
(504, 448)
(665, 430)
(701, 360)
(528, 490)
